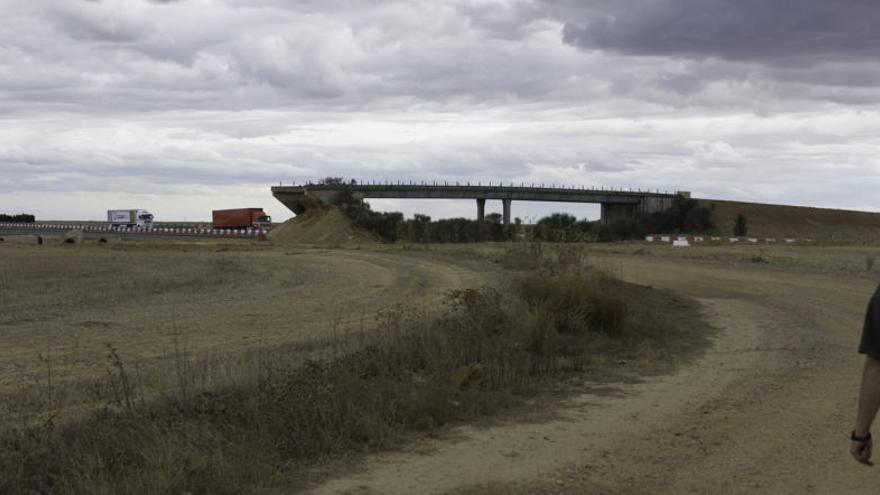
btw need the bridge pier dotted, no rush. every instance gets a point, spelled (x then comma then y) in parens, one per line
(481, 209)
(611, 212)
(506, 202)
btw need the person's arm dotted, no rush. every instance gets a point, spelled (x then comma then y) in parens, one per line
(869, 403)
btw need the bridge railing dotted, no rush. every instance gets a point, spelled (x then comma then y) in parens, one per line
(480, 184)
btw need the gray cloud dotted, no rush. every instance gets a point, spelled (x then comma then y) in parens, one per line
(229, 96)
(803, 32)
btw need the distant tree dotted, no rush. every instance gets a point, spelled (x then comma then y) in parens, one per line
(562, 227)
(685, 215)
(419, 228)
(19, 218)
(515, 230)
(740, 226)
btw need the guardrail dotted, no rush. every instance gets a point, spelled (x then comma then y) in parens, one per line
(498, 185)
(697, 239)
(247, 233)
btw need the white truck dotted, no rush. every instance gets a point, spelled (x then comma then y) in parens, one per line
(129, 218)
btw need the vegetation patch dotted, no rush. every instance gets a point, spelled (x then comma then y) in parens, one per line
(685, 215)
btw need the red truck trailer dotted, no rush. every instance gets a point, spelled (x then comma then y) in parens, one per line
(241, 218)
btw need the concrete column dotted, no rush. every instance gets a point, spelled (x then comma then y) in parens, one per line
(612, 212)
(481, 209)
(506, 203)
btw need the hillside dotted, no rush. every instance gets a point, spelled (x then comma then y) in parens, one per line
(766, 220)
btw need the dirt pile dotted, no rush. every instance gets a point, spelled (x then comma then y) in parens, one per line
(766, 220)
(321, 226)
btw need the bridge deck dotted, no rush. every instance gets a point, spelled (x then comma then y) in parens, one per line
(615, 203)
(468, 191)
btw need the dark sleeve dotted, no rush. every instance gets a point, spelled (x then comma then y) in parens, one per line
(870, 343)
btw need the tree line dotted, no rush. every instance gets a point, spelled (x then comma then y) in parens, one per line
(685, 215)
(20, 218)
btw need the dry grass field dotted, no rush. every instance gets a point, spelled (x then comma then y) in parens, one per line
(104, 341)
(65, 307)
(188, 363)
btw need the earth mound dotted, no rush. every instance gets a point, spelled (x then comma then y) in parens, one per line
(321, 226)
(765, 220)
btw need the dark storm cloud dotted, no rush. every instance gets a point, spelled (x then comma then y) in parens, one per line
(791, 32)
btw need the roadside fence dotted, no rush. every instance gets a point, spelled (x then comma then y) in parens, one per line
(684, 240)
(191, 231)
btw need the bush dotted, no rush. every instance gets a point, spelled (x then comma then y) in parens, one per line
(523, 256)
(740, 226)
(575, 303)
(391, 226)
(562, 227)
(386, 225)
(684, 216)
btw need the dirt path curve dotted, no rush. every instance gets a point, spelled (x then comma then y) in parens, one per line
(766, 410)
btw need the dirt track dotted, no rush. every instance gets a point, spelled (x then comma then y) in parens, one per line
(766, 410)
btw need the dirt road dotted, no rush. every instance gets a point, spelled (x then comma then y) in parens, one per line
(766, 410)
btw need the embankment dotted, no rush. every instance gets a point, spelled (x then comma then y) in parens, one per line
(766, 220)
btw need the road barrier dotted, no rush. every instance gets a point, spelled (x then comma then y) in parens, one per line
(183, 232)
(697, 239)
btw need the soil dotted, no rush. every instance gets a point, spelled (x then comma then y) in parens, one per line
(767, 409)
(321, 226)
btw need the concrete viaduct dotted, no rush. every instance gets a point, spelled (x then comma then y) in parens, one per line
(615, 204)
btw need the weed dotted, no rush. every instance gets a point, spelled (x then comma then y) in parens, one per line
(869, 262)
(123, 391)
(570, 257)
(523, 256)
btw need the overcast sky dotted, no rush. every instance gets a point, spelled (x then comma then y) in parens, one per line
(185, 106)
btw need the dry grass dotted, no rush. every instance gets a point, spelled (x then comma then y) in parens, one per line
(252, 419)
(850, 259)
(62, 305)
